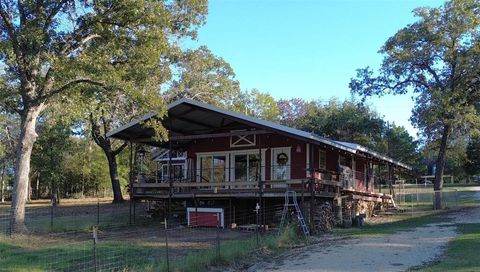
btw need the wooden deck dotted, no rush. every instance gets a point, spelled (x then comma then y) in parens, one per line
(247, 189)
(237, 189)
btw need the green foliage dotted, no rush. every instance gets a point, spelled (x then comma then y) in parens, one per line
(205, 77)
(472, 164)
(261, 105)
(353, 121)
(289, 236)
(399, 144)
(349, 121)
(8, 134)
(437, 58)
(73, 165)
(48, 155)
(119, 45)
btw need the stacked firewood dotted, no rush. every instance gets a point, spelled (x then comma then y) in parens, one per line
(324, 218)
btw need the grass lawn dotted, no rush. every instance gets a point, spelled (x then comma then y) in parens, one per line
(462, 252)
(39, 253)
(398, 222)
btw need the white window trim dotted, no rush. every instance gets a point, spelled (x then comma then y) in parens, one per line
(184, 172)
(322, 167)
(229, 173)
(247, 152)
(206, 154)
(272, 160)
(242, 137)
(183, 157)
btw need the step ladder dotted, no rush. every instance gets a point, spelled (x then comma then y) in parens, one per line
(298, 212)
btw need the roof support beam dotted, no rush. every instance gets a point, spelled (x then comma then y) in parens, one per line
(218, 135)
(190, 121)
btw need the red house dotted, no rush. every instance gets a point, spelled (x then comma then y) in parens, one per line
(226, 160)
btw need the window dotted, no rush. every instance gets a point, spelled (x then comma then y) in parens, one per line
(322, 159)
(246, 167)
(212, 168)
(178, 172)
(345, 161)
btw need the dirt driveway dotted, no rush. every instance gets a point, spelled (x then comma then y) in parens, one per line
(395, 252)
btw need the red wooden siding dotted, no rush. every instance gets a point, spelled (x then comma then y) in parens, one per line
(297, 158)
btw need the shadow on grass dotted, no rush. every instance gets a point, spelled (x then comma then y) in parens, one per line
(406, 223)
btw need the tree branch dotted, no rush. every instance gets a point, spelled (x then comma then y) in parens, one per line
(74, 47)
(120, 149)
(10, 30)
(71, 84)
(96, 132)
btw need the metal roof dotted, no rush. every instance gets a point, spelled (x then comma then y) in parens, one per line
(191, 117)
(374, 154)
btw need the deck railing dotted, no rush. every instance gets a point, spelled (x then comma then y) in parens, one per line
(299, 185)
(219, 179)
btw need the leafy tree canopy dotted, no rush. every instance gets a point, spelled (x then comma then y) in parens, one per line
(438, 59)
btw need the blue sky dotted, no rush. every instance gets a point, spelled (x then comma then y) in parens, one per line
(308, 49)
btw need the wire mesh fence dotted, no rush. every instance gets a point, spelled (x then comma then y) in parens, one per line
(417, 195)
(96, 235)
(99, 237)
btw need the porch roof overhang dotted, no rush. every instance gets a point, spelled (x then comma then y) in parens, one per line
(187, 120)
(374, 154)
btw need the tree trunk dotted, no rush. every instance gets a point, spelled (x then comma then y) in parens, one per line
(37, 186)
(22, 168)
(29, 190)
(440, 166)
(112, 166)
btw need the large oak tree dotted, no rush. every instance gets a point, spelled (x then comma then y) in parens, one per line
(438, 58)
(51, 47)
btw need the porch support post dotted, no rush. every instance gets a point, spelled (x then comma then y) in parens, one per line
(312, 192)
(339, 209)
(130, 181)
(170, 180)
(308, 172)
(230, 210)
(367, 174)
(354, 178)
(390, 179)
(380, 169)
(260, 183)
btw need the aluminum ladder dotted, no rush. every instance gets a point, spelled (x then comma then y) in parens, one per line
(301, 220)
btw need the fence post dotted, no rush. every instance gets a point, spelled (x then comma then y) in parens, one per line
(51, 217)
(98, 211)
(456, 198)
(411, 203)
(166, 245)
(218, 236)
(95, 240)
(257, 208)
